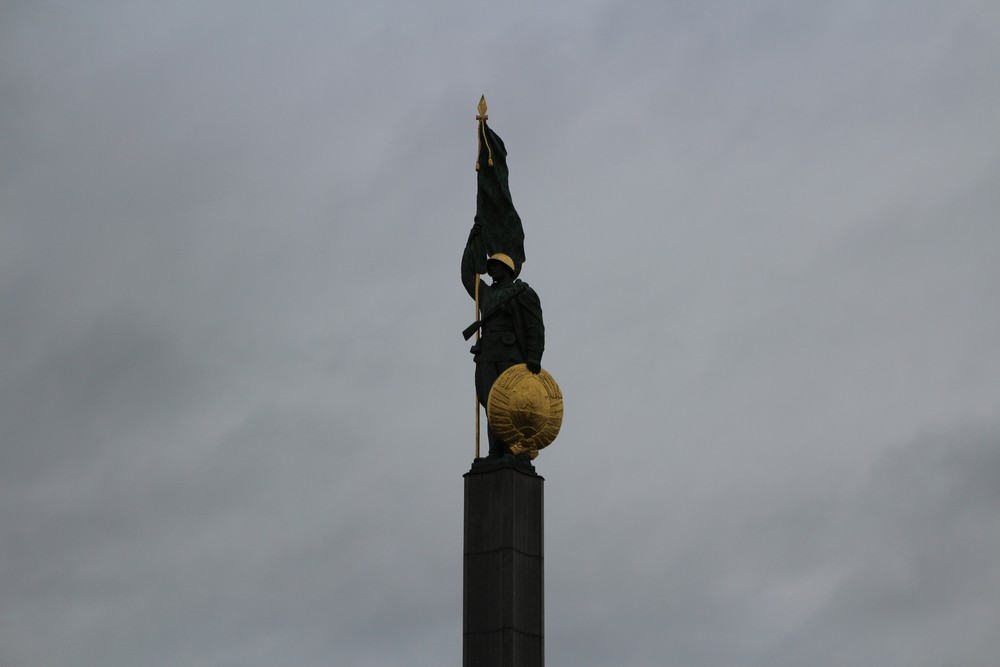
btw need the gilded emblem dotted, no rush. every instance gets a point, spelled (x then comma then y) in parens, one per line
(525, 410)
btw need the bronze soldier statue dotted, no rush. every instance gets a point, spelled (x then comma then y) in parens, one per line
(511, 325)
(523, 402)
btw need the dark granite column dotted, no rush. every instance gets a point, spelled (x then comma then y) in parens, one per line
(503, 591)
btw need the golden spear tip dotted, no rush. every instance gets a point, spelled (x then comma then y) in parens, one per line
(482, 132)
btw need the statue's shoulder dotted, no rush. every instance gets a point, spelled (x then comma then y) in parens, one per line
(525, 295)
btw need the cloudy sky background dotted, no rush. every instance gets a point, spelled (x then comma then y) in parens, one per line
(236, 406)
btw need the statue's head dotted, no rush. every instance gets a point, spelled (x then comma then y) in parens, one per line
(500, 266)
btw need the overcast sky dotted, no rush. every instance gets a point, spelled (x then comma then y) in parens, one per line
(236, 407)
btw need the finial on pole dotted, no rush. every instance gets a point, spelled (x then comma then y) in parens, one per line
(481, 117)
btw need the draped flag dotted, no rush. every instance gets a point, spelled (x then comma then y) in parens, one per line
(502, 230)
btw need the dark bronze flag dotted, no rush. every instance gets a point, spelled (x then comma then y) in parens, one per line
(502, 230)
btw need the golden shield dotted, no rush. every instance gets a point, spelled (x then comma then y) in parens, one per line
(525, 410)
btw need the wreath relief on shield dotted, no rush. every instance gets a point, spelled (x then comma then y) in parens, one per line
(525, 410)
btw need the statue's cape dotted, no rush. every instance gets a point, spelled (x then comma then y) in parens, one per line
(502, 231)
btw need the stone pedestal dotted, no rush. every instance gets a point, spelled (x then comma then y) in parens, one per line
(503, 583)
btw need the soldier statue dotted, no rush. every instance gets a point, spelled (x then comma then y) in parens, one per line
(523, 402)
(511, 327)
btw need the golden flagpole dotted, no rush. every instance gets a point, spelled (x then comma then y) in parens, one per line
(477, 390)
(481, 137)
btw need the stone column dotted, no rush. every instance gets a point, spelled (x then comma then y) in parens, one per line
(503, 623)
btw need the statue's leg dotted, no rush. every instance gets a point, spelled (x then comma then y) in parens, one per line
(486, 374)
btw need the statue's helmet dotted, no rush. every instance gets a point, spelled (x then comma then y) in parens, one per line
(503, 259)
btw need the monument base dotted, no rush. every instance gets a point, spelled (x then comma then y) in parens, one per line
(503, 619)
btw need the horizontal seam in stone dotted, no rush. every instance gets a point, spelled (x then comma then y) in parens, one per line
(501, 629)
(493, 551)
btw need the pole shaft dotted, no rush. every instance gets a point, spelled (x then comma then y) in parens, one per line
(477, 391)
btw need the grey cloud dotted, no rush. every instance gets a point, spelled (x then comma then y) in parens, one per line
(237, 409)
